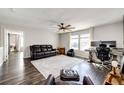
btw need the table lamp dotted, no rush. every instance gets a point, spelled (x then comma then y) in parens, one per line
(114, 66)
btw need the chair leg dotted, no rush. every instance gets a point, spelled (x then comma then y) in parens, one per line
(102, 66)
(106, 66)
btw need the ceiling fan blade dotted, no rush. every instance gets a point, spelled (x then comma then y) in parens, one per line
(67, 26)
(60, 26)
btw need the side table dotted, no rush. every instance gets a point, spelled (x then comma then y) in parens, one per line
(61, 51)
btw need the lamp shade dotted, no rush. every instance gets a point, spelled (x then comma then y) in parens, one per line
(114, 63)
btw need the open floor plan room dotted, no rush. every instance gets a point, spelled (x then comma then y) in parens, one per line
(61, 46)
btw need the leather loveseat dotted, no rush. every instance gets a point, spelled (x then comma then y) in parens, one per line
(41, 51)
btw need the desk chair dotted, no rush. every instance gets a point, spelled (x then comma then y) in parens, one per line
(103, 54)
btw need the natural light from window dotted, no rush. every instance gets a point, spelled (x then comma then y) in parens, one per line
(84, 41)
(80, 42)
(74, 42)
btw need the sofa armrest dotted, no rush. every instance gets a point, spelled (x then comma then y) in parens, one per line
(50, 80)
(87, 81)
(53, 49)
(31, 51)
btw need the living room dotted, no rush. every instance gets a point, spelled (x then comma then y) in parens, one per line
(58, 29)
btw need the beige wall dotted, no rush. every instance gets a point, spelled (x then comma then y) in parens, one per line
(110, 32)
(39, 37)
(64, 40)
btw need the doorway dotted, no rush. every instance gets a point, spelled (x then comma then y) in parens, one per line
(13, 42)
(13, 45)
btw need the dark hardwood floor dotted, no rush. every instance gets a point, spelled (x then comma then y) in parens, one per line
(18, 71)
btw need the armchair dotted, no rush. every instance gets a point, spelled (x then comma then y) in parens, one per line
(50, 80)
(71, 53)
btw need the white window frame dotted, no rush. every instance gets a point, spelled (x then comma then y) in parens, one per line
(88, 36)
(79, 39)
(74, 38)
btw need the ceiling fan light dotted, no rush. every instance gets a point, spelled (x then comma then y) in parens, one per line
(65, 28)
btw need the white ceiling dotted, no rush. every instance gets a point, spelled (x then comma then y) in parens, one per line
(48, 18)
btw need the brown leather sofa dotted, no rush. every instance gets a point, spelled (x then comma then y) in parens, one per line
(41, 51)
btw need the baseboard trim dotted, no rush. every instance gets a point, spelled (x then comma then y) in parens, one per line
(81, 57)
(27, 58)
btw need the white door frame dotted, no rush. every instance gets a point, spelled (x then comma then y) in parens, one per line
(5, 44)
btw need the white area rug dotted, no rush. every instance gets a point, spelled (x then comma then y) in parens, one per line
(53, 65)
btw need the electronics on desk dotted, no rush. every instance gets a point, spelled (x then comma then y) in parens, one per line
(111, 44)
(95, 43)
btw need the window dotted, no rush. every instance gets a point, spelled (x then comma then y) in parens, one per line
(84, 41)
(74, 41)
(80, 42)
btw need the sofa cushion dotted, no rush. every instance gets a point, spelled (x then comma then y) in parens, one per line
(44, 49)
(43, 46)
(36, 48)
(53, 52)
(40, 53)
(49, 49)
(49, 46)
(48, 52)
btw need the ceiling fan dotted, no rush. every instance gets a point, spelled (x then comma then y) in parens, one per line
(65, 28)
